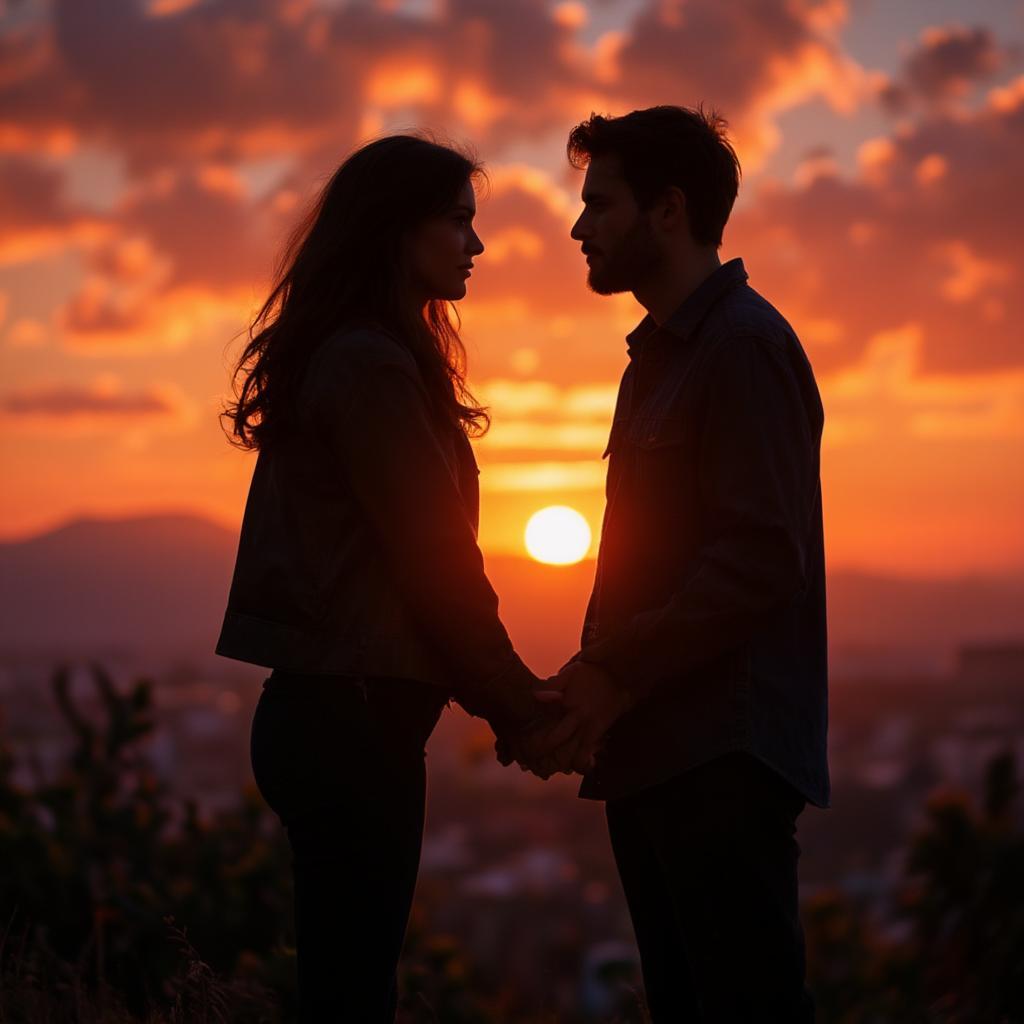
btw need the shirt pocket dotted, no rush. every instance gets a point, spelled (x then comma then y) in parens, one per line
(620, 428)
(650, 433)
(660, 459)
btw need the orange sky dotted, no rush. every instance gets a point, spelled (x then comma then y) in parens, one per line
(152, 159)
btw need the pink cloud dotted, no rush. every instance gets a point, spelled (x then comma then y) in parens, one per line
(529, 256)
(748, 61)
(921, 234)
(187, 91)
(947, 62)
(105, 401)
(240, 77)
(230, 78)
(185, 250)
(34, 216)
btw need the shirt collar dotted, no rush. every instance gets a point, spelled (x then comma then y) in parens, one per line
(685, 320)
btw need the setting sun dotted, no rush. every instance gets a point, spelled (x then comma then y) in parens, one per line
(558, 535)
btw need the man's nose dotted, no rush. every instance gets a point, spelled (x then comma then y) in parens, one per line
(579, 231)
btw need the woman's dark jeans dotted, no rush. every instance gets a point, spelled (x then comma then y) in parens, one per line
(341, 761)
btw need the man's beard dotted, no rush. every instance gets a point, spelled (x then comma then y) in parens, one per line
(636, 257)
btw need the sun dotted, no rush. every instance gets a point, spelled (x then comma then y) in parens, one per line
(558, 535)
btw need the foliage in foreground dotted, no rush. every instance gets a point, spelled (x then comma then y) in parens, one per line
(118, 905)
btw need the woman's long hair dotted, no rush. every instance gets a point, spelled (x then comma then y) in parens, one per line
(344, 264)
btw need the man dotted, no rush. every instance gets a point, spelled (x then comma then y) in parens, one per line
(702, 677)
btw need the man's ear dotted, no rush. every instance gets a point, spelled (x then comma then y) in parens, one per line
(670, 210)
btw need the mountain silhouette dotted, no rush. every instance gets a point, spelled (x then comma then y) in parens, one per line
(157, 585)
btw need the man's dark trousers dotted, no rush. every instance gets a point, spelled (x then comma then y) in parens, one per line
(708, 861)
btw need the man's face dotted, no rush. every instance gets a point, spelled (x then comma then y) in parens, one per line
(616, 235)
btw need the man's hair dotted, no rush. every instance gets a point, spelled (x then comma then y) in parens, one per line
(664, 146)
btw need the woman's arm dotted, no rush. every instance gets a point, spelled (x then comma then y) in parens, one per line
(369, 403)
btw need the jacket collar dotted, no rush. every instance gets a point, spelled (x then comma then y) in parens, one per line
(686, 319)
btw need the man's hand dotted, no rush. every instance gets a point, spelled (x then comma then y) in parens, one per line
(591, 703)
(510, 745)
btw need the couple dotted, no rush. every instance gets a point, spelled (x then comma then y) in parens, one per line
(696, 706)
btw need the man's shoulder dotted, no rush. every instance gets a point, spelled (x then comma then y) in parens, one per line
(747, 317)
(749, 332)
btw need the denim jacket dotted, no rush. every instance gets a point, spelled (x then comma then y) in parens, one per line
(709, 597)
(358, 552)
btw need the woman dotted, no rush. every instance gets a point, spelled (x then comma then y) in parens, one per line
(358, 578)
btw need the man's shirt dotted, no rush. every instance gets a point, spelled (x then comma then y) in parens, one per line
(709, 596)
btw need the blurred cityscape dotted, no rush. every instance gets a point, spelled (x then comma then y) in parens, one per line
(520, 872)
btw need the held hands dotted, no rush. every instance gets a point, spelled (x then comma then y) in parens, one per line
(588, 702)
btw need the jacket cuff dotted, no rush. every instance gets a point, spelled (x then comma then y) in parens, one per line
(506, 698)
(617, 655)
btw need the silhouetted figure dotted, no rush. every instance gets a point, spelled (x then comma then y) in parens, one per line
(358, 578)
(703, 658)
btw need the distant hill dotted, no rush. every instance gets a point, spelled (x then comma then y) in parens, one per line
(153, 583)
(157, 585)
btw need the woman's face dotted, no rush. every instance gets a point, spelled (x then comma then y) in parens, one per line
(441, 251)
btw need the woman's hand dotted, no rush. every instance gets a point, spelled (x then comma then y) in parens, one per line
(589, 702)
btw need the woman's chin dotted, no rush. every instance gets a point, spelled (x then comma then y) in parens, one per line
(452, 294)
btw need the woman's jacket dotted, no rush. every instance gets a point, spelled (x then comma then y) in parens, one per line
(358, 552)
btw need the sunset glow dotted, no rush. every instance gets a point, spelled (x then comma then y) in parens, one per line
(141, 216)
(330, 482)
(558, 535)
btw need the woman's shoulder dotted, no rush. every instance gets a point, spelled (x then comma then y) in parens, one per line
(365, 346)
(353, 361)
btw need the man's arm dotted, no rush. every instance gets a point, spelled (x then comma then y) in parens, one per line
(374, 414)
(758, 480)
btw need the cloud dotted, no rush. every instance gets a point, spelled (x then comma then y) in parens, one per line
(532, 436)
(203, 224)
(296, 82)
(524, 223)
(538, 416)
(100, 406)
(948, 62)
(301, 83)
(35, 218)
(749, 61)
(886, 393)
(542, 398)
(198, 240)
(919, 234)
(117, 78)
(191, 241)
(183, 250)
(266, 77)
(26, 332)
(556, 477)
(101, 320)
